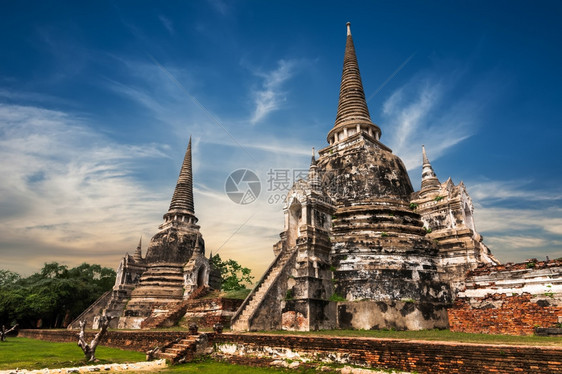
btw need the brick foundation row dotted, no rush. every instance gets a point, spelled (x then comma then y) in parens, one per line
(418, 356)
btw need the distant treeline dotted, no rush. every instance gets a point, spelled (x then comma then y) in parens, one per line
(53, 297)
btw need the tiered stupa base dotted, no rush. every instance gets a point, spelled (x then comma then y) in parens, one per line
(160, 288)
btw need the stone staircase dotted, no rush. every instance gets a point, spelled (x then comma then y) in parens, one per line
(171, 317)
(164, 281)
(93, 310)
(182, 350)
(242, 319)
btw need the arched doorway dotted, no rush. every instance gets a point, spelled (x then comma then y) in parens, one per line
(469, 222)
(201, 277)
(295, 216)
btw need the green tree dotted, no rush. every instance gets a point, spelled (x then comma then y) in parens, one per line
(234, 276)
(52, 297)
(8, 277)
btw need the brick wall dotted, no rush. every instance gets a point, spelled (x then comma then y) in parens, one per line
(421, 357)
(509, 299)
(516, 315)
(208, 312)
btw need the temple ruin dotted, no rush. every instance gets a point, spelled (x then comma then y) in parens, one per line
(360, 249)
(170, 273)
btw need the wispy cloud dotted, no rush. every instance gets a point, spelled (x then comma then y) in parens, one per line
(167, 24)
(65, 186)
(517, 241)
(517, 218)
(518, 248)
(270, 96)
(502, 220)
(149, 86)
(516, 234)
(71, 194)
(423, 111)
(220, 6)
(504, 190)
(266, 144)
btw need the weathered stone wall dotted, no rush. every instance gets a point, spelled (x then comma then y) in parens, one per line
(415, 356)
(510, 299)
(420, 357)
(446, 211)
(207, 312)
(391, 314)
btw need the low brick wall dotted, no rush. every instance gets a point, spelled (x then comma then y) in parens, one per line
(509, 299)
(418, 356)
(517, 315)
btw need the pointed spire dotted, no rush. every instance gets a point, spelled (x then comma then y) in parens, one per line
(138, 253)
(313, 159)
(353, 113)
(313, 177)
(429, 179)
(197, 248)
(183, 194)
(425, 159)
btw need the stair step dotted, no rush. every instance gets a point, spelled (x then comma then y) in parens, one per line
(251, 305)
(169, 356)
(176, 351)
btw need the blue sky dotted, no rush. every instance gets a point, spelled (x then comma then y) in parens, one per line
(98, 100)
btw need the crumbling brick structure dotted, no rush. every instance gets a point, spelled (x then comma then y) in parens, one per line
(512, 299)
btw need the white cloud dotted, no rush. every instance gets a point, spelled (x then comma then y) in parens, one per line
(504, 190)
(68, 190)
(496, 219)
(517, 241)
(270, 96)
(424, 112)
(519, 234)
(517, 219)
(70, 195)
(518, 248)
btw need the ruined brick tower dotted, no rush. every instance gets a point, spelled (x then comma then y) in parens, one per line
(173, 268)
(355, 251)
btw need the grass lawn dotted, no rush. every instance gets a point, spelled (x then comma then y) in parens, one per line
(209, 366)
(24, 353)
(433, 335)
